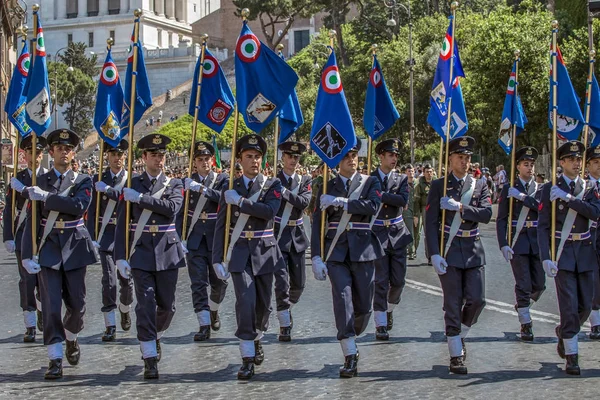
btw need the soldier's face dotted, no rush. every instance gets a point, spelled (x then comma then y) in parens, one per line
(428, 174)
(155, 162)
(115, 160)
(460, 163)
(410, 173)
(526, 169)
(290, 162)
(348, 164)
(251, 161)
(62, 155)
(29, 157)
(238, 173)
(388, 160)
(593, 167)
(571, 166)
(203, 164)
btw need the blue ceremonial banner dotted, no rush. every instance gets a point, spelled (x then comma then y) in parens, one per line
(216, 98)
(513, 113)
(570, 119)
(263, 80)
(380, 113)
(109, 103)
(332, 134)
(594, 133)
(16, 98)
(290, 116)
(38, 108)
(442, 91)
(142, 87)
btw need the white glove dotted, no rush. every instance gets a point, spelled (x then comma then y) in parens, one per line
(319, 268)
(507, 252)
(221, 271)
(101, 187)
(326, 201)
(439, 264)
(448, 203)
(340, 202)
(96, 244)
(550, 268)
(124, 268)
(184, 248)
(558, 193)
(131, 195)
(31, 266)
(232, 197)
(37, 194)
(16, 184)
(516, 194)
(10, 246)
(283, 190)
(191, 184)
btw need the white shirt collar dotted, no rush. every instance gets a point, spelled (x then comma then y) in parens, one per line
(344, 179)
(383, 175)
(568, 181)
(593, 180)
(524, 182)
(247, 180)
(153, 177)
(287, 177)
(460, 179)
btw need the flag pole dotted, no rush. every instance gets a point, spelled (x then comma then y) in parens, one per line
(136, 33)
(276, 136)
(186, 206)
(23, 32)
(554, 133)
(514, 146)
(34, 247)
(332, 34)
(588, 107)
(370, 147)
(453, 7)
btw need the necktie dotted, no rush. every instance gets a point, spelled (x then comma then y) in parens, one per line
(60, 181)
(289, 182)
(385, 182)
(572, 186)
(460, 185)
(250, 183)
(527, 187)
(114, 180)
(348, 186)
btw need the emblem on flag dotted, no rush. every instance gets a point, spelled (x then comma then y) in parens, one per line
(331, 81)
(109, 75)
(259, 109)
(19, 118)
(219, 112)
(110, 127)
(438, 94)
(329, 141)
(23, 64)
(248, 48)
(210, 66)
(38, 108)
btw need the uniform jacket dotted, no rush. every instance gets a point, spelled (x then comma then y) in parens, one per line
(463, 252)
(72, 246)
(263, 252)
(317, 184)
(577, 255)
(155, 251)
(420, 196)
(527, 241)
(357, 245)
(394, 198)
(294, 235)
(7, 217)
(204, 229)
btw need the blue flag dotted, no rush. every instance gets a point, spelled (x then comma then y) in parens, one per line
(16, 97)
(380, 113)
(142, 88)
(290, 116)
(332, 134)
(216, 98)
(442, 91)
(109, 103)
(38, 108)
(594, 133)
(570, 119)
(513, 113)
(263, 80)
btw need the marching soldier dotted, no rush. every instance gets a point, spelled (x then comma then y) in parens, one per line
(522, 252)
(460, 263)
(253, 255)
(592, 158)
(64, 246)
(289, 230)
(113, 180)
(351, 249)
(205, 186)
(155, 250)
(28, 283)
(577, 207)
(391, 230)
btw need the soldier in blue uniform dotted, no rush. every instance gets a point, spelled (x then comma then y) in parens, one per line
(592, 158)
(576, 265)
(460, 267)
(522, 252)
(155, 249)
(113, 180)
(351, 248)
(391, 230)
(64, 247)
(205, 188)
(28, 284)
(293, 242)
(252, 256)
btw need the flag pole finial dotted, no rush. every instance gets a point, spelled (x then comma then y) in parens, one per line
(592, 54)
(517, 54)
(555, 24)
(138, 12)
(245, 13)
(110, 41)
(22, 31)
(332, 34)
(374, 48)
(35, 7)
(280, 47)
(454, 5)
(204, 38)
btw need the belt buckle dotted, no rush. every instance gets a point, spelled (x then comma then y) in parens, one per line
(153, 228)
(576, 236)
(465, 234)
(249, 235)
(349, 226)
(386, 223)
(203, 216)
(59, 224)
(291, 223)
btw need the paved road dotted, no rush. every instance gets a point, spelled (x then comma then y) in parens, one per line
(413, 364)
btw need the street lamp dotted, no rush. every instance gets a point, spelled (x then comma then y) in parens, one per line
(55, 94)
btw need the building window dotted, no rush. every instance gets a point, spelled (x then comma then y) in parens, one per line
(170, 38)
(112, 35)
(90, 39)
(159, 34)
(301, 39)
(92, 8)
(72, 9)
(114, 7)
(69, 38)
(194, 7)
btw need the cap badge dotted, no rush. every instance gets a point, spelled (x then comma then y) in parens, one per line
(157, 140)
(597, 150)
(395, 145)
(252, 140)
(201, 147)
(574, 147)
(464, 143)
(294, 147)
(64, 135)
(529, 152)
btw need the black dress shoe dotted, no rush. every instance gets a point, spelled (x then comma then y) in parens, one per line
(527, 332)
(151, 368)
(595, 333)
(247, 369)
(572, 366)
(457, 365)
(110, 334)
(158, 350)
(73, 352)
(285, 334)
(125, 320)
(560, 347)
(411, 257)
(215, 321)
(350, 368)
(40, 321)
(259, 354)
(203, 334)
(381, 333)
(390, 319)
(54, 370)
(29, 336)
(464, 356)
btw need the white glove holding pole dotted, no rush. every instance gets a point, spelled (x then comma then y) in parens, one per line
(558, 193)
(191, 184)
(96, 244)
(31, 266)
(16, 184)
(10, 246)
(319, 268)
(124, 268)
(326, 201)
(37, 194)
(232, 197)
(507, 252)
(101, 186)
(550, 268)
(448, 203)
(516, 194)
(340, 202)
(439, 264)
(221, 271)
(131, 195)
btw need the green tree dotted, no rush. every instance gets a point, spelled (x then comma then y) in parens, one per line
(75, 56)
